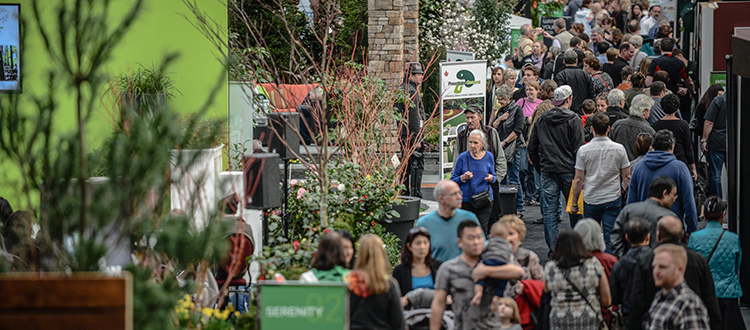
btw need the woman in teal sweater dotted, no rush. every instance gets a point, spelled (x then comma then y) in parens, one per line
(722, 250)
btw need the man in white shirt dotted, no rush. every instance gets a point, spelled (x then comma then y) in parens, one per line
(601, 164)
(647, 22)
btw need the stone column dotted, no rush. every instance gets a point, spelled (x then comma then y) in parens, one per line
(386, 41)
(411, 30)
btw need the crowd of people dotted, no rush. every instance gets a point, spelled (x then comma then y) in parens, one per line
(600, 122)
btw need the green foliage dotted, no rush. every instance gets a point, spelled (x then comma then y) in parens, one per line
(251, 68)
(145, 80)
(269, 31)
(154, 301)
(493, 17)
(353, 31)
(358, 204)
(549, 9)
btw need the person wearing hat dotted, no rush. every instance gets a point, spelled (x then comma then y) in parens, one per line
(554, 141)
(412, 133)
(473, 114)
(722, 250)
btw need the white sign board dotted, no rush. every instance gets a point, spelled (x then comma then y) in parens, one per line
(461, 83)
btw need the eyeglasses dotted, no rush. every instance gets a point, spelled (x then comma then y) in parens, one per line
(457, 193)
(419, 230)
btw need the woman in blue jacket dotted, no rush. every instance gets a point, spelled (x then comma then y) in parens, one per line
(722, 250)
(474, 171)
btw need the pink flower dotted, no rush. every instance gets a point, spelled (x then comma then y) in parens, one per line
(293, 182)
(301, 192)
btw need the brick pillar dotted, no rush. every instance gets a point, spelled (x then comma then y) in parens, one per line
(411, 30)
(386, 41)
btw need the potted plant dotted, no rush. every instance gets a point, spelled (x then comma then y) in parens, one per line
(144, 89)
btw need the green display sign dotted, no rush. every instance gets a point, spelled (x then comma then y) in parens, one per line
(719, 77)
(297, 305)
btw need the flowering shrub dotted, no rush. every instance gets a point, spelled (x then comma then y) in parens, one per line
(357, 203)
(190, 317)
(457, 26)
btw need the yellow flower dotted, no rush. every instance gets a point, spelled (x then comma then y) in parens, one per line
(236, 314)
(207, 312)
(368, 177)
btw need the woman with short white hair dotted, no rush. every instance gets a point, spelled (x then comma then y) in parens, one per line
(474, 171)
(593, 239)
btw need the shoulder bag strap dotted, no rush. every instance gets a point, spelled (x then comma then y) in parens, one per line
(582, 296)
(468, 168)
(605, 83)
(715, 246)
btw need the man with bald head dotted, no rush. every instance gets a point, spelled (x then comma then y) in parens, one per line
(697, 276)
(443, 223)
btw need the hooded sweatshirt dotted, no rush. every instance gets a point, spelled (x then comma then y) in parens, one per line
(661, 163)
(554, 141)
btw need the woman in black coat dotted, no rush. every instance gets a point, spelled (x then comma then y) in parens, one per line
(417, 268)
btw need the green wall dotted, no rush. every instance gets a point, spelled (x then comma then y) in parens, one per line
(159, 30)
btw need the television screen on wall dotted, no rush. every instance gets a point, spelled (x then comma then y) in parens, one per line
(10, 47)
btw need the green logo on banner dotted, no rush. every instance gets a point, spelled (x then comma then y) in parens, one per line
(468, 81)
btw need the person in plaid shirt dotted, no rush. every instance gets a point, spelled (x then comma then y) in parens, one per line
(676, 306)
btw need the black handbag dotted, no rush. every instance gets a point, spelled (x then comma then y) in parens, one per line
(480, 199)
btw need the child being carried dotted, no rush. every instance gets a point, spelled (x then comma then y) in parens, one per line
(498, 252)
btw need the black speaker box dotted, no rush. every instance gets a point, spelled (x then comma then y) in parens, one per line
(262, 177)
(284, 127)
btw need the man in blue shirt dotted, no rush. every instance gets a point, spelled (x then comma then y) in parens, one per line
(443, 223)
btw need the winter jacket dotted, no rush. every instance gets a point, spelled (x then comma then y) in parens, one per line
(650, 210)
(580, 82)
(554, 141)
(697, 276)
(415, 117)
(402, 274)
(661, 163)
(625, 132)
(725, 261)
(601, 83)
(621, 280)
(529, 301)
(615, 113)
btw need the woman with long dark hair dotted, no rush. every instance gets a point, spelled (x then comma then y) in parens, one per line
(497, 81)
(347, 242)
(713, 92)
(417, 268)
(577, 283)
(328, 263)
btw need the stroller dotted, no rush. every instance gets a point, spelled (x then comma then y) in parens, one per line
(417, 314)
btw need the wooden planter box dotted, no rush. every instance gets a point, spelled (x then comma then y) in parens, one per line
(80, 301)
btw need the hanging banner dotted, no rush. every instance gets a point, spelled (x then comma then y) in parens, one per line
(461, 84)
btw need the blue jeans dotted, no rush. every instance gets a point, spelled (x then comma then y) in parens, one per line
(512, 177)
(527, 178)
(552, 185)
(605, 214)
(715, 163)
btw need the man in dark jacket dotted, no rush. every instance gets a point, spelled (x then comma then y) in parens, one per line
(554, 142)
(626, 53)
(662, 193)
(626, 131)
(662, 162)
(578, 80)
(615, 112)
(638, 234)
(576, 44)
(412, 135)
(697, 276)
